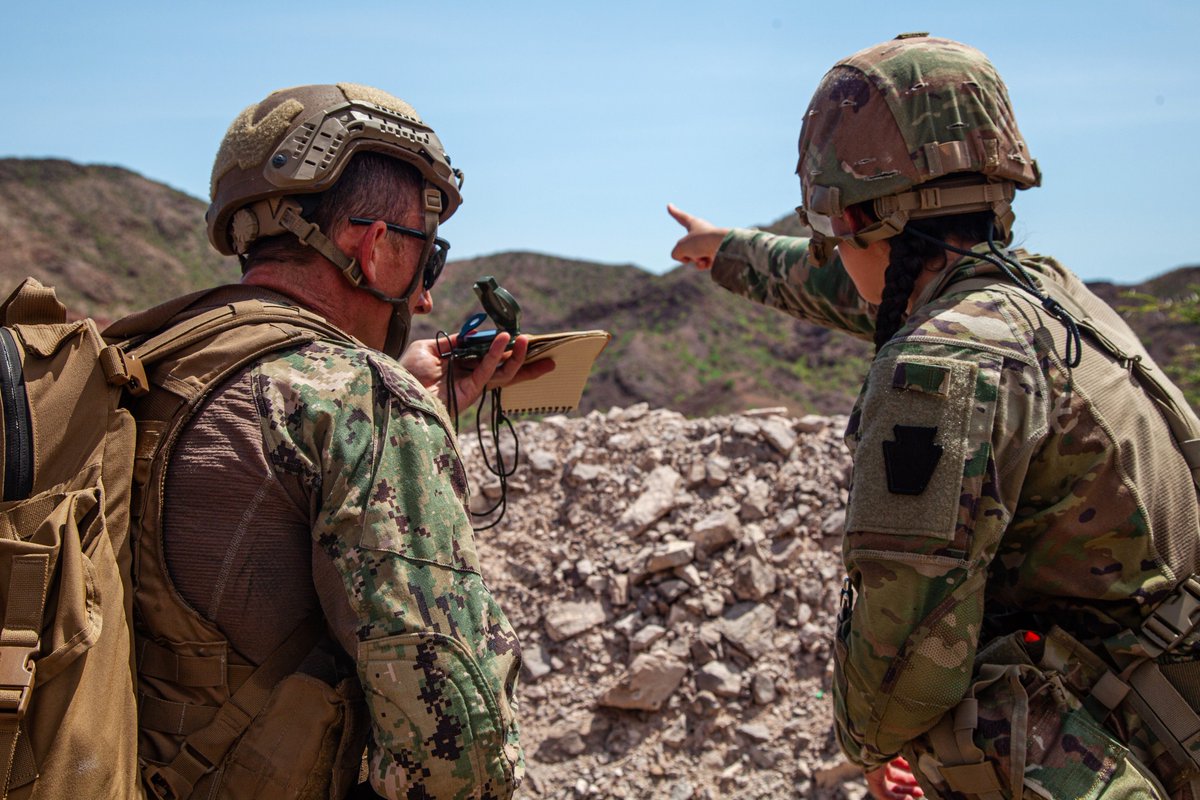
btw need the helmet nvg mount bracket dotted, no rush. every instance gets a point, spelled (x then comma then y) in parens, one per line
(916, 127)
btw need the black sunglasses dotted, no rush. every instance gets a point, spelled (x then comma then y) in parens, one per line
(437, 258)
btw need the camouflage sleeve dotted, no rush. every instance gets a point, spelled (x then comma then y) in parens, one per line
(775, 271)
(437, 659)
(942, 436)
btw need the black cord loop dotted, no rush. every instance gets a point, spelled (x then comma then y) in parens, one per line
(497, 420)
(1016, 273)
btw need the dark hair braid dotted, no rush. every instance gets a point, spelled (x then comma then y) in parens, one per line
(909, 255)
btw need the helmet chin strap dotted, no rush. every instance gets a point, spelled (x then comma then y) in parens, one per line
(286, 214)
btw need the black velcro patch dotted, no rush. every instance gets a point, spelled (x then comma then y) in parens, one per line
(911, 459)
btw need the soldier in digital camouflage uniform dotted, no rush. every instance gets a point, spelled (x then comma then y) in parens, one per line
(1023, 519)
(320, 488)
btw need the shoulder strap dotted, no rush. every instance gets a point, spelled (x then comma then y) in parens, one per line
(205, 749)
(155, 335)
(1185, 427)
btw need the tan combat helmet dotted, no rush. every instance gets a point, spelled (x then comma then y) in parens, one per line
(922, 127)
(297, 141)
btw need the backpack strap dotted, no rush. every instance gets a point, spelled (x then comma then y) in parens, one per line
(234, 315)
(203, 751)
(20, 639)
(195, 353)
(1185, 427)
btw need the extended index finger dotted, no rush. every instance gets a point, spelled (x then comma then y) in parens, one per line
(682, 217)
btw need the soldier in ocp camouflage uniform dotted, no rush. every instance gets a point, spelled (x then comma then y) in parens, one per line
(319, 492)
(1023, 512)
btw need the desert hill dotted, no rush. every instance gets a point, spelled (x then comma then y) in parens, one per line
(112, 241)
(108, 240)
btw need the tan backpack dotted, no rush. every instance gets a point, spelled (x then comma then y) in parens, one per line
(68, 714)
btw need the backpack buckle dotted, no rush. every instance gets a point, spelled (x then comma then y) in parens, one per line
(124, 369)
(16, 674)
(1175, 618)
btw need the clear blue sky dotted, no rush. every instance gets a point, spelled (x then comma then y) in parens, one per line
(576, 123)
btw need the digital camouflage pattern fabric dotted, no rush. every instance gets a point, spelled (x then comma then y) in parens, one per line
(437, 659)
(1058, 499)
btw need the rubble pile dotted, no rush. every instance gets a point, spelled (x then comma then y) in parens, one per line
(675, 584)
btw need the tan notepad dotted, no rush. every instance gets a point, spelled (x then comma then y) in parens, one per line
(560, 390)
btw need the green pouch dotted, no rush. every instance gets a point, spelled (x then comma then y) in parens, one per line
(1029, 727)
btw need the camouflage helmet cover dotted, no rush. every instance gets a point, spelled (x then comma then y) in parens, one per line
(298, 141)
(901, 114)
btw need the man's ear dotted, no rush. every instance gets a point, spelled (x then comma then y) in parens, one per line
(367, 247)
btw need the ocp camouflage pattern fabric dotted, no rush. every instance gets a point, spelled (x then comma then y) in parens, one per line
(1054, 496)
(933, 107)
(778, 272)
(437, 658)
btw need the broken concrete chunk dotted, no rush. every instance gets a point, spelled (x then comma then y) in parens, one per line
(753, 580)
(646, 637)
(757, 500)
(750, 627)
(669, 555)
(745, 427)
(714, 531)
(583, 474)
(689, 574)
(716, 470)
(671, 589)
(762, 689)
(618, 589)
(717, 677)
(565, 620)
(696, 474)
(651, 679)
(778, 434)
(541, 461)
(835, 523)
(755, 731)
(657, 498)
(533, 659)
(812, 423)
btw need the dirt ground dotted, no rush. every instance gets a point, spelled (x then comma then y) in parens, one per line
(675, 584)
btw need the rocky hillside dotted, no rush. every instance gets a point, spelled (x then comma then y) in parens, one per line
(674, 582)
(109, 240)
(112, 241)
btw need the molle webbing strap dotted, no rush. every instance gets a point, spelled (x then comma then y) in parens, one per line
(204, 749)
(1145, 688)
(925, 201)
(1185, 427)
(20, 640)
(1175, 724)
(963, 765)
(156, 661)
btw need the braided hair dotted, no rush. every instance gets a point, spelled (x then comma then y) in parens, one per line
(910, 254)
